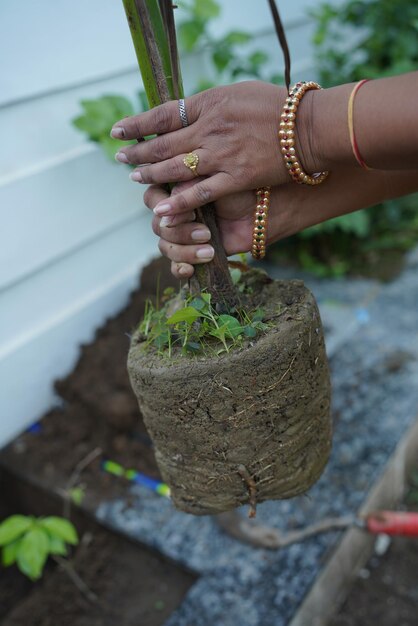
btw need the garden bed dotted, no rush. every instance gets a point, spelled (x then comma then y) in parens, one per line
(133, 584)
(375, 402)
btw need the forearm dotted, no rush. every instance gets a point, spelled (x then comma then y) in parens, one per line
(385, 124)
(294, 208)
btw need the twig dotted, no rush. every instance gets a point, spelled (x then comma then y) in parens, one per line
(75, 475)
(282, 40)
(75, 578)
(260, 536)
(252, 489)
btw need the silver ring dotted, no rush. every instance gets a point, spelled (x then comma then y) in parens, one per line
(183, 114)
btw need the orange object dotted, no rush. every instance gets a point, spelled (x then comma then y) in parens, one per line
(400, 523)
(354, 145)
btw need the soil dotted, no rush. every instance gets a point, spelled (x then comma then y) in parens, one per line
(250, 425)
(386, 590)
(133, 584)
(97, 410)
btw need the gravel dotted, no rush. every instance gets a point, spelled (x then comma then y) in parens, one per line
(372, 342)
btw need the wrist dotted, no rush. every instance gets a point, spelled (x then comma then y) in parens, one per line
(323, 134)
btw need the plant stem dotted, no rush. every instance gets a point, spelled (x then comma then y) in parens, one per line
(156, 50)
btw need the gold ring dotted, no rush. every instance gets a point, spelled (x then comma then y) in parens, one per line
(191, 161)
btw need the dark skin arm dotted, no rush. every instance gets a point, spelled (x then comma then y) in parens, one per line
(292, 209)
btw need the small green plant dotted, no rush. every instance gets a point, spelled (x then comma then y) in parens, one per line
(28, 541)
(99, 116)
(196, 327)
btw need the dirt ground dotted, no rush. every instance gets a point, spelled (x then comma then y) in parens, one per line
(133, 586)
(386, 590)
(99, 410)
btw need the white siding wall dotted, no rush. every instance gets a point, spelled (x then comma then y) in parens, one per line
(73, 230)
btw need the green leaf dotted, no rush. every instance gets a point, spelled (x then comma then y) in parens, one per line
(189, 33)
(57, 546)
(203, 85)
(222, 57)
(237, 37)
(232, 325)
(10, 553)
(258, 315)
(33, 552)
(193, 347)
(249, 331)
(118, 106)
(100, 115)
(13, 527)
(60, 527)
(110, 146)
(206, 297)
(76, 495)
(206, 9)
(188, 314)
(198, 303)
(258, 58)
(235, 275)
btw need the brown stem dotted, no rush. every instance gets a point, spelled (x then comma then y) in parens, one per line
(213, 277)
(261, 536)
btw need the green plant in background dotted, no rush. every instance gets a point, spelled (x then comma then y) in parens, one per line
(29, 541)
(98, 117)
(229, 55)
(365, 39)
(353, 40)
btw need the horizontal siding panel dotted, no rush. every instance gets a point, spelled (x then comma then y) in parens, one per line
(32, 304)
(86, 41)
(46, 215)
(27, 374)
(50, 44)
(74, 232)
(40, 130)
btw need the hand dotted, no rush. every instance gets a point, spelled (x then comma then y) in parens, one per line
(233, 130)
(292, 208)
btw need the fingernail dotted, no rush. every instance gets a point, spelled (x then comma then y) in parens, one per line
(200, 234)
(205, 253)
(117, 132)
(121, 157)
(183, 270)
(136, 176)
(161, 209)
(165, 221)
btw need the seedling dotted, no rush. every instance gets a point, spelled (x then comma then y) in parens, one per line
(197, 328)
(28, 541)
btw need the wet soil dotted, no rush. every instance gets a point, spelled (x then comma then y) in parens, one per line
(132, 584)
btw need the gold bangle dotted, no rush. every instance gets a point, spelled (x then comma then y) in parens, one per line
(287, 135)
(258, 249)
(354, 144)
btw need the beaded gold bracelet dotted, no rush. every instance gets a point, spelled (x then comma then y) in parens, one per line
(258, 249)
(287, 135)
